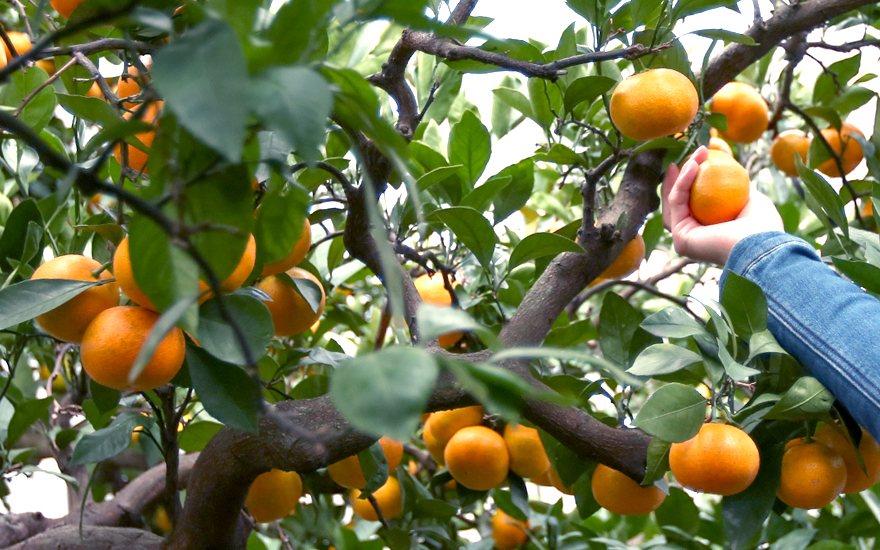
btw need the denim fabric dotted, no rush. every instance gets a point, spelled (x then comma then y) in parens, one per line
(823, 320)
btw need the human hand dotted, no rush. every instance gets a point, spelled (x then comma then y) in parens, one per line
(710, 243)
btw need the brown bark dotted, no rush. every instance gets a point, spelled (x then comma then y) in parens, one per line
(93, 538)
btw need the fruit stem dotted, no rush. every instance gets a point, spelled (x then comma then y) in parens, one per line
(97, 273)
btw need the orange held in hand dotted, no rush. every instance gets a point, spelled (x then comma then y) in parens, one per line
(785, 146)
(113, 340)
(618, 493)
(69, 320)
(812, 475)
(720, 459)
(654, 104)
(477, 458)
(745, 109)
(509, 533)
(720, 190)
(274, 495)
(849, 150)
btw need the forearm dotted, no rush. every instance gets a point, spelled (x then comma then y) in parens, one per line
(826, 322)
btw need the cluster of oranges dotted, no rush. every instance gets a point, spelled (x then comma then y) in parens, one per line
(795, 142)
(111, 336)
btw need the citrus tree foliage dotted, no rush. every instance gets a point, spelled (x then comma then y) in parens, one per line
(357, 116)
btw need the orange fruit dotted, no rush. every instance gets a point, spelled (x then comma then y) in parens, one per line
(785, 146)
(128, 86)
(509, 533)
(444, 424)
(628, 261)
(433, 291)
(435, 448)
(298, 254)
(348, 472)
(112, 342)
(47, 65)
(528, 458)
(618, 493)
(745, 109)
(125, 276)
(477, 458)
(65, 7)
(720, 459)
(720, 190)
(20, 40)
(291, 313)
(162, 521)
(849, 150)
(69, 320)
(838, 440)
(274, 495)
(387, 496)
(812, 475)
(137, 159)
(238, 276)
(718, 144)
(653, 104)
(551, 479)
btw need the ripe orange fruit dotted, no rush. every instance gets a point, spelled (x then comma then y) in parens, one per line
(20, 40)
(509, 533)
(785, 146)
(433, 291)
(65, 7)
(47, 65)
(812, 475)
(839, 441)
(69, 320)
(720, 459)
(274, 495)
(435, 448)
(618, 493)
(551, 479)
(128, 86)
(745, 109)
(720, 190)
(477, 458)
(125, 276)
(387, 496)
(628, 261)
(444, 424)
(528, 458)
(849, 150)
(112, 342)
(718, 144)
(298, 254)
(162, 521)
(137, 159)
(291, 313)
(238, 276)
(348, 472)
(653, 104)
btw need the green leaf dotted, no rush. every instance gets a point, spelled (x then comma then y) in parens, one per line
(571, 355)
(517, 193)
(253, 318)
(481, 197)
(298, 29)
(819, 188)
(673, 322)
(619, 322)
(105, 398)
(745, 303)
(26, 413)
(110, 441)
(540, 245)
(226, 390)
(436, 321)
(684, 8)
(679, 511)
(472, 229)
(163, 326)
(863, 274)
(437, 175)
(196, 435)
(663, 359)
(594, 11)
(807, 399)
(470, 145)
(375, 467)
(658, 460)
(673, 413)
(21, 84)
(12, 240)
(572, 335)
(727, 36)
(515, 99)
(89, 108)
(586, 89)
(310, 291)
(204, 79)
(280, 223)
(296, 102)
(385, 393)
(31, 298)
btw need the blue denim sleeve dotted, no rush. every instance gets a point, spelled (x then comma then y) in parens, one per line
(826, 322)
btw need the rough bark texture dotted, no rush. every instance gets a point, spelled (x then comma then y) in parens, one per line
(69, 537)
